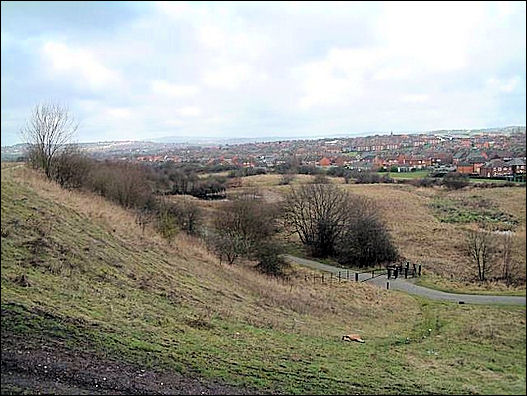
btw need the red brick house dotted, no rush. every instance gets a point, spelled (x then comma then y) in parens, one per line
(495, 168)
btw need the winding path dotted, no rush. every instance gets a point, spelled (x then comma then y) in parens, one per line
(409, 287)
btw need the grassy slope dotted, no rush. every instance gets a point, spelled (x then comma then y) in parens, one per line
(98, 284)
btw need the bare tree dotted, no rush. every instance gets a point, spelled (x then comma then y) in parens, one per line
(318, 213)
(510, 268)
(479, 248)
(46, 133)
(332, 222)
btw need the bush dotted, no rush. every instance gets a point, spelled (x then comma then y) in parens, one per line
(424, 182)
(243, 226)
(365, 240)
(320, 179)
(70, 167)
(166, 221)
(455, 181)
(368, 177)
(286, 179)
(189, 216)
(269, 259)
(333, 222)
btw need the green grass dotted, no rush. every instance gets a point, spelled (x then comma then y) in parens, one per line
(133, 298)
(419, 174)
(473, 209)
(450, 286)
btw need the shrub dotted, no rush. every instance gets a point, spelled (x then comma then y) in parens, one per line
(269, 259)
(455, 181)
(189, 216)
(286, 179)
(166, 221)
(320, 178)
(365, 240)
(333, 222)
(368, 177)
(70, 167)
(243, 226)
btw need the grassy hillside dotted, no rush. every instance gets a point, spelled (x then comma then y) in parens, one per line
(78, 273)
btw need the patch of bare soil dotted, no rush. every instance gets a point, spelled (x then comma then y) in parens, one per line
(50, 368)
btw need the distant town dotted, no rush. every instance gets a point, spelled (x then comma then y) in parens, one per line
(491, 153)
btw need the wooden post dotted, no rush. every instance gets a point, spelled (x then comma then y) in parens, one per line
(396, 273)
(419, 269)
(387, 285)
(348, 274)
(356, 276)
(415, 270)
(322, 278)
(389, 271)
(406, 273)
(373, 273)
(339, 276)
(331, 277)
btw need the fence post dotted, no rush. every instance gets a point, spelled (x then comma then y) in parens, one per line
(406, 273)
(322, 278)
(356, 276)
(348, 274)
(387, 285)
(419, 269)
(415, 270)
(339, 276)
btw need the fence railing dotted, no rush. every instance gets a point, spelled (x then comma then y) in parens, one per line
(391, 271)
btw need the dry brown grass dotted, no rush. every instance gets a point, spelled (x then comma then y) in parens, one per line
(186, 269)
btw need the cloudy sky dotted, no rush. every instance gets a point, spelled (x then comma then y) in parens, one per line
(147, 70)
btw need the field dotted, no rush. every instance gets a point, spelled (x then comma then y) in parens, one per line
(428, 224)
(78, 275)
(407, 175)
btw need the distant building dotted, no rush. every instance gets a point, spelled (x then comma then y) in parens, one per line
(496, 168)
(324, 162)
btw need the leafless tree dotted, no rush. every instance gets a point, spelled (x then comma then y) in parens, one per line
(48, 130)
(479, 248)
(332, 222)
(189, 216)
(318, 213)
(511, 270)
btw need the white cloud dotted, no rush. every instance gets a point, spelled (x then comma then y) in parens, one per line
(414, 98)
(503, 85)
(162, 87)
(269, 68)
(189, 111)
(174, 122)
(119, 112)
(336, 79)
(79, 63)
(227, 75)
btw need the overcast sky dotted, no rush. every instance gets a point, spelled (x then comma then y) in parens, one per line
(147, 70)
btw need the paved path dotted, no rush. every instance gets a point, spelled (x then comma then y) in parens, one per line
(409, 287)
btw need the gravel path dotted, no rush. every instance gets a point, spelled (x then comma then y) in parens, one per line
(409, 287)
